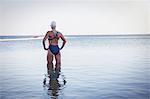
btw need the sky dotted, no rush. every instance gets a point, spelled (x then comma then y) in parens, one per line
(75, 17)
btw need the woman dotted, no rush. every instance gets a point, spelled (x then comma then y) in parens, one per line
(53, 50)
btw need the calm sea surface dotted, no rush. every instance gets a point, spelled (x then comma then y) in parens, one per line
(93, 67)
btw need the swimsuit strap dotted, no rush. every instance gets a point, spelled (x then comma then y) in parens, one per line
(57, 35)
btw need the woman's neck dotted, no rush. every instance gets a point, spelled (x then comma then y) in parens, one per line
(54, 31)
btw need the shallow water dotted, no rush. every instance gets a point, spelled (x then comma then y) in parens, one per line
(103, 67)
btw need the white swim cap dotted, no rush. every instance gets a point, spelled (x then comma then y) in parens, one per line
(53, 24)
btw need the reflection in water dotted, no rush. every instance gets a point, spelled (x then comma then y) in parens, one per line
(54, 83)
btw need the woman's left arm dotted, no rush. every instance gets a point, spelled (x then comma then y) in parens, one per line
(64, 41)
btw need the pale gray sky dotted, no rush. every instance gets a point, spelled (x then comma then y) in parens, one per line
(33, 17)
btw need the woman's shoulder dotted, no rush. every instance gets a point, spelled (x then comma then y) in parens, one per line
(49, 32)
(59, 32)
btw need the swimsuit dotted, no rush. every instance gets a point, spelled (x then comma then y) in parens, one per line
(54, 48)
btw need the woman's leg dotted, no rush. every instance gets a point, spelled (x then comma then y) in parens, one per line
(58, 61)
(49, 61)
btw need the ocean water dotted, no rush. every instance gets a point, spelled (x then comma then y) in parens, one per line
(93, 67)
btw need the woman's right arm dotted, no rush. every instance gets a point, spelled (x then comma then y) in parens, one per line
(44, 39)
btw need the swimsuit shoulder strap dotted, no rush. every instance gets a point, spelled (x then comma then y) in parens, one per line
(57, 33)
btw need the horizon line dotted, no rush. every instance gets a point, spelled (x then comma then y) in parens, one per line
(82, 35)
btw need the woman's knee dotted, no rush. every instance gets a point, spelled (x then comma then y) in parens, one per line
(49, 58)
(58, 63)
(58, 60)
